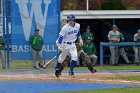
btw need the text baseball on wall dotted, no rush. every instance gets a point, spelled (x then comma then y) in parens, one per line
(26, 16)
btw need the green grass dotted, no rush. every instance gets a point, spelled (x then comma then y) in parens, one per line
(125, 67)
(21, 64)
(130, 78)
(27, 64)
(130, 67)
(118, 90)
(18, 65)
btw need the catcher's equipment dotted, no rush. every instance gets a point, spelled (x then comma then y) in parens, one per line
(90, 67)
(88, 62)
(64, 64)
(78, 45)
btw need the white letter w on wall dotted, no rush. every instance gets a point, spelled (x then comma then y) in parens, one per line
(30, 9)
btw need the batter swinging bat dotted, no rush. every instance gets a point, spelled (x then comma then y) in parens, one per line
(50, 61)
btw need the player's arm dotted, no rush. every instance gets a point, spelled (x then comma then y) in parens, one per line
(112, 39)
(59, 41)
(109, 37)
(42, 41)
(80, 38)
(135, 38)
(118, 39)
(94, 49)
(60, 38)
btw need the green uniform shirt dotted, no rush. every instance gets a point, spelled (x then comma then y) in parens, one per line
(36, 42)
(2, 42)
(85, 36)
(89, 48)
(121, 39)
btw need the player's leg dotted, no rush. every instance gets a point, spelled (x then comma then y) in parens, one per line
(136, 54)
(2, 58)
(139, 55)
(74, 56)
(65, 63)
(123, 54)
(34, 55)
(113, 53)
(61, 58)
(118, 56)
(88, 62)
(94, 59)
(41, 63)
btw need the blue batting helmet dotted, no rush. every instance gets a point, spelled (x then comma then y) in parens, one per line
(71, 17)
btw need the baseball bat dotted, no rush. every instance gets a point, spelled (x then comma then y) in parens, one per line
(50, 61)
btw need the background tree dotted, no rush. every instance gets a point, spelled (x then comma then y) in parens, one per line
(73, 4)
(113, 5)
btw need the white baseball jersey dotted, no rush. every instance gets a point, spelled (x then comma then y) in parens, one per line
(136, 38)
(69, 33)
(113, 34)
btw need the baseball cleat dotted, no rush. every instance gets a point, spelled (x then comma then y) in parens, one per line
(94, 71)
(41, 66)
(57, 74)
(137, 64)
(71, 73)
(35, 67)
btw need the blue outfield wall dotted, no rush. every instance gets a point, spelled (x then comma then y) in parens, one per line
(26, 15)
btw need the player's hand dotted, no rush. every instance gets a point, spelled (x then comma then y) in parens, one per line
(81, 42)
(1, 45)
(59, 47)
(118, 40)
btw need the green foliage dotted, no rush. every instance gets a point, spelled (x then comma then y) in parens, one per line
(113, 5)
(73, 4)
(100, 4)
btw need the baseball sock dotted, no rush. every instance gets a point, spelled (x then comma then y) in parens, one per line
(72, 65)
(58, 65)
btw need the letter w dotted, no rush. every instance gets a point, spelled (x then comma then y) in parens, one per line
(36, 12)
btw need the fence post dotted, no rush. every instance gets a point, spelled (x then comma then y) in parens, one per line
(3, 24)
(7, 39)
(101, 54)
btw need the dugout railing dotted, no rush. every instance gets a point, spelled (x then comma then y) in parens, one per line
(103, 44)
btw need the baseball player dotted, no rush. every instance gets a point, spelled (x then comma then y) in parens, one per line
(87, 34)
(137, 48)
(113, 37)
(36, 45)
(66, 43)
(82, 55)
(121, 50)
(89, 48)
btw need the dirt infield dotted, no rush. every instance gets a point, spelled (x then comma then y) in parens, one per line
(99, 77)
